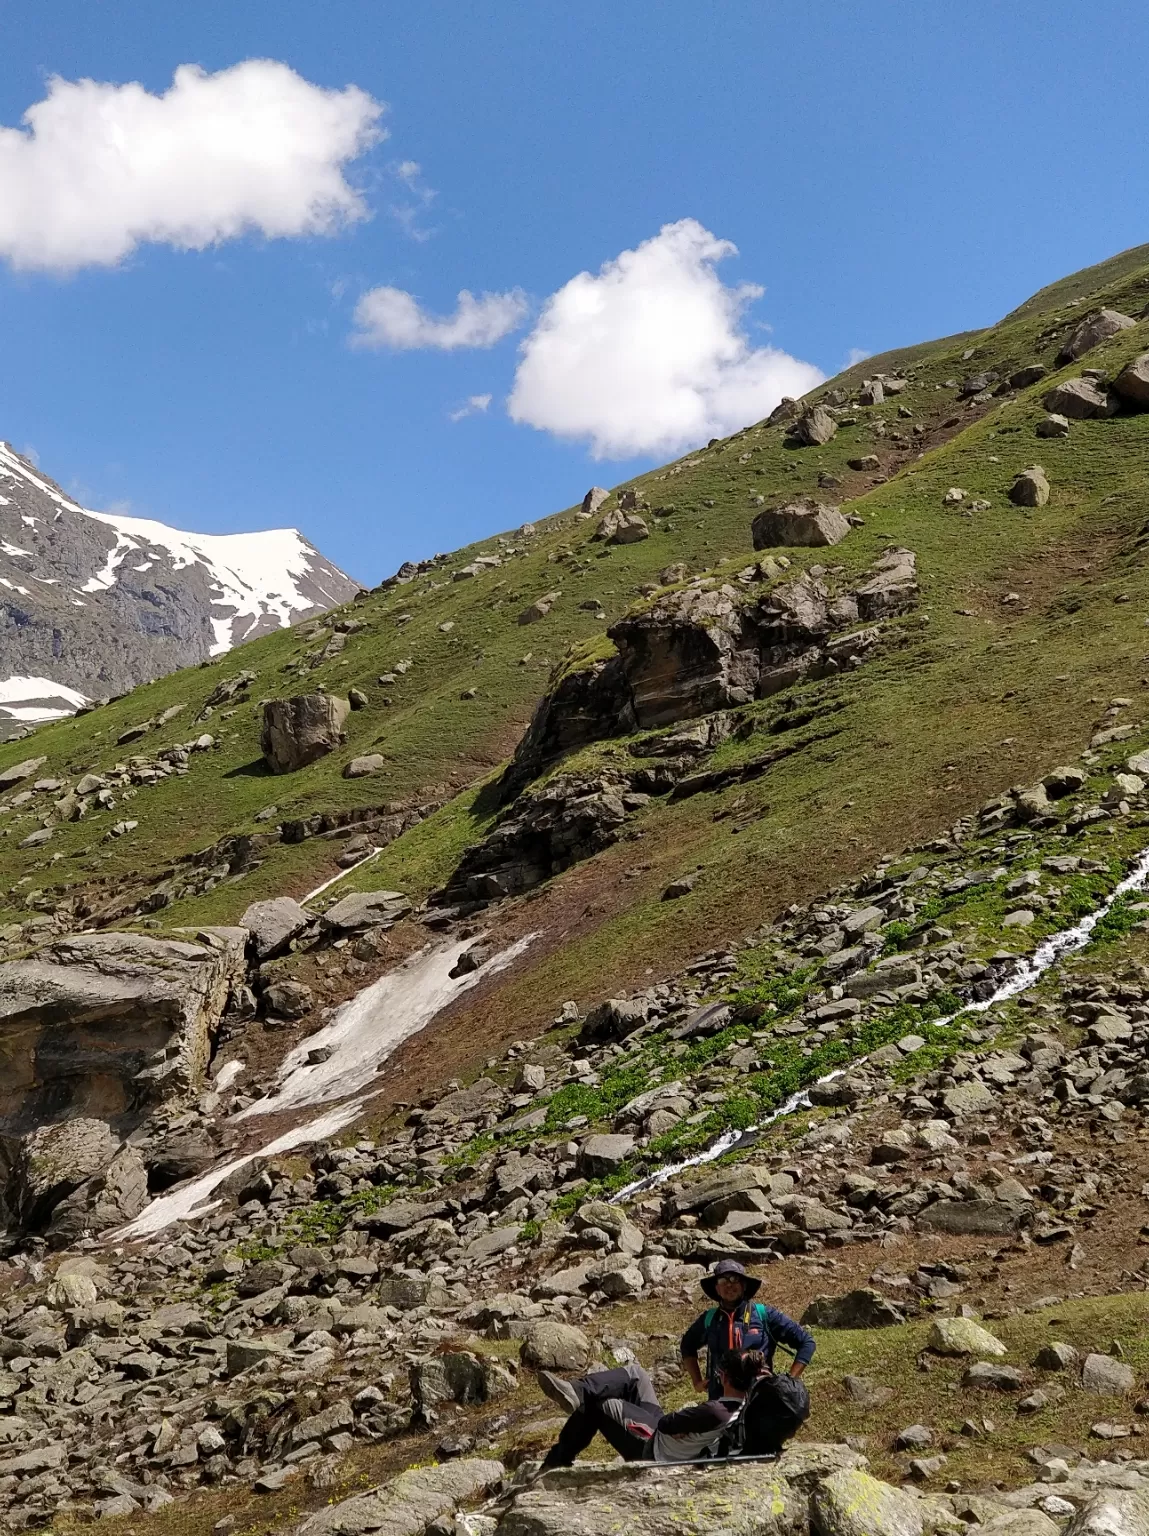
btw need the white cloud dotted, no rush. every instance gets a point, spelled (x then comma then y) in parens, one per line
(855, 356)
(408, 215)
(476, 405)
(99, 169)
(649, 356)
(390, 317)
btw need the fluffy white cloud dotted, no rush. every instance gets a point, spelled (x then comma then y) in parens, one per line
(390, 317)
(475, 406)
(99, 169)
(649, 355)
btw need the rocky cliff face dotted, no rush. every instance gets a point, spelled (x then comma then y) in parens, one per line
(93, 604)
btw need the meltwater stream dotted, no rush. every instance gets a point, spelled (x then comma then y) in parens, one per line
(1029, 971)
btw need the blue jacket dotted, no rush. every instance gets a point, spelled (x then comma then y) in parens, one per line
(749, 1325)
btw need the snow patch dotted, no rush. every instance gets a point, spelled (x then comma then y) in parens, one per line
(367, 1028)
(187, 1203)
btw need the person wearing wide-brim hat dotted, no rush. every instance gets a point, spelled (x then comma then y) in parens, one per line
(739, 1322)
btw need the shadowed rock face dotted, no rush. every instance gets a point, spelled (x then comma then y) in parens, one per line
(106, 1024)
(700, 649)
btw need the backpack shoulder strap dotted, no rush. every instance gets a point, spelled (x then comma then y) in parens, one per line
(710, 1315)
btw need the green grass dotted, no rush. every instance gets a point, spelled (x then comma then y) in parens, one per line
(976, 695)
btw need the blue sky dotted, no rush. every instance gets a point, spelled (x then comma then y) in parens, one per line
(888, 173)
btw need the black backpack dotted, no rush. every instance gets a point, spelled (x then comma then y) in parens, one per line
(775, 1409)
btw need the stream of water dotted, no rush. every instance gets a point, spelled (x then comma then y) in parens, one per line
(1029, 971)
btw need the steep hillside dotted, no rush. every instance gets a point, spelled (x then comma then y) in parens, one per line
(748, 863)
(93, 603)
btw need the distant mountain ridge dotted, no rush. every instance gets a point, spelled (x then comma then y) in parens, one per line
(94, 603)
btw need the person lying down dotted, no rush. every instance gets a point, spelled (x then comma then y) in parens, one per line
(756, 1413)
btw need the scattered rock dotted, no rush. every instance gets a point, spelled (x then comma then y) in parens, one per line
(300, 730)
(798, 524)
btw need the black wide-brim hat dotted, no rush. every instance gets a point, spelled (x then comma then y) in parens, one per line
(750, 1283)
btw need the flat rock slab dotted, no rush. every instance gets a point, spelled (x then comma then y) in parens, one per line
(592, 1500)
(1112, 1514)
(856, 1504)
(407, 1504)
(974, 1218)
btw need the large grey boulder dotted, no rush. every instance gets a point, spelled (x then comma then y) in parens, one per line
(962, 1336)
(603, 1154)
(1106, 1377)
(815, 427)
(1078, 399)
(1112, 1513)
(798, 524)
(301, 730)
(273, 924)
(619, 527)
(593, 499)
(971, 1218)
(1031, 488)
(115, 1019)
(367, 909)
(1132, 383)
(551, 1346)
(55, 1160)
(1092, 331)
(20, 771)
(592, 1499)
(856, 1309)
(852, 1503)
(407, 1504)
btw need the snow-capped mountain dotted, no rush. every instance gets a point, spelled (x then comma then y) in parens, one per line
(92, 603)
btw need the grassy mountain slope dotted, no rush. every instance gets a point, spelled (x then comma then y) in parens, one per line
(1032, 622)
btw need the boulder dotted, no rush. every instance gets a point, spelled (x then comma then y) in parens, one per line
(970, 1218)
(273, 924)
(549, 1346)
(108, 1199)
(856, 1504)
(1092, 331)
(596, 1499)
(409, 1503)
(366, 909)
(55, 1160)
(798, 524)
(621, 527)
(614, 1019)
(855, 1309)
(993, 1378)
(1052, 426)
(962, 1336)
(288, 999)
(1077, 399)
(19, 772)
(593, 499)
(364, 767)
(300, 730)
(1031, 488)
(1106, 1377)
(1115, 1512)
(115, 1019)
(1132, 383)
(603, 1154)
(815, 427)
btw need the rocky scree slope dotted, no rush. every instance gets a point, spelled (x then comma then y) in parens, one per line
(93, 603)
(950, 1213)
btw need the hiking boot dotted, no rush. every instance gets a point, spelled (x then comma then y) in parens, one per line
(559, 1391)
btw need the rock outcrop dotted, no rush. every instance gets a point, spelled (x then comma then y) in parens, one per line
(107, 1024)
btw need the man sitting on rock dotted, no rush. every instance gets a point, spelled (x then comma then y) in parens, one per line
(622, 1406)
(739, 1322)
